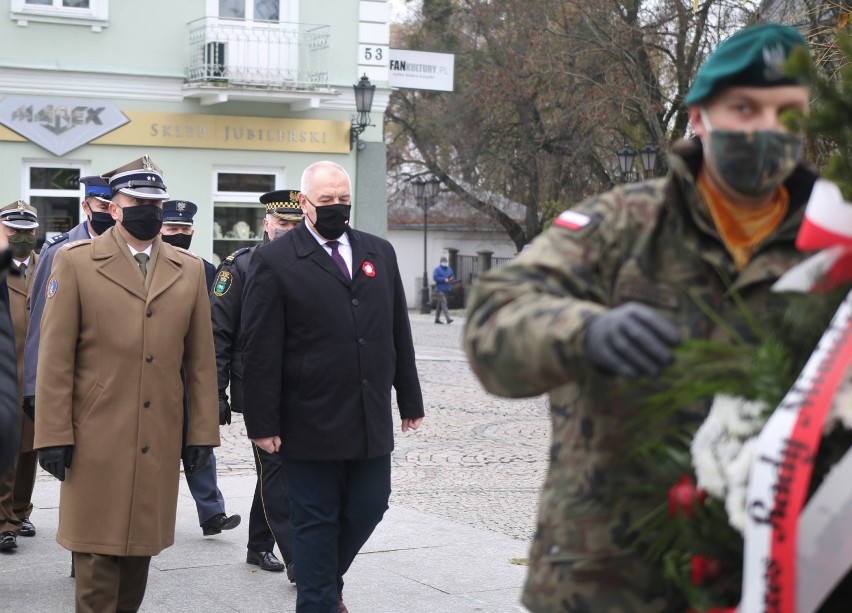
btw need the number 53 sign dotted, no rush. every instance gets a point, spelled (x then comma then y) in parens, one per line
(372, 55)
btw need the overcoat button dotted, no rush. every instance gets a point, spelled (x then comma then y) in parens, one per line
(361, 342)
(147, 404)
(149, 358)
(355, 301)
(148, 313)
(145, 449)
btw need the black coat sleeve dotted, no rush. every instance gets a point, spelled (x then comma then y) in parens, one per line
(262, 333)
(406, 382)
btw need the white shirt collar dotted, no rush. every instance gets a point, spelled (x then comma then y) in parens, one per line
(19, 262)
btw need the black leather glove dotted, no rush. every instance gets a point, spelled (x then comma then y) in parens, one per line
(224, 411)
(631, 340)
(56, 459)
(29, 407)
(195, 458)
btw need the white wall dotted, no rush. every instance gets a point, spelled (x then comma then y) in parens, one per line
(408, 244)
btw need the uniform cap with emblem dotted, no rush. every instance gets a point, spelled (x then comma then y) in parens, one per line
(140, 178)
(97, 187)
(179, 212)
(754, 56)
(284, 204)
(19, 215)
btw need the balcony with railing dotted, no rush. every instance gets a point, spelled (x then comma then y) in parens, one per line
(239, 54)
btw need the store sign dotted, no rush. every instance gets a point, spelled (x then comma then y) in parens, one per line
(60, 125)
(421, 70)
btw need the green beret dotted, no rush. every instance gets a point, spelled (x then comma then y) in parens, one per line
(754, 56)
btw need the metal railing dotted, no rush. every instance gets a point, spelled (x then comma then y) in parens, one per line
(258, 53)
(468, 267)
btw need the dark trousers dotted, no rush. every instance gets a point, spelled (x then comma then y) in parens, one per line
(269, 521)
(205, 491)
(16, 492)
(336, 505)
(110, 583)
(441, 307)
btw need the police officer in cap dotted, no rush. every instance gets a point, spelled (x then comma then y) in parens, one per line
(19, 222)
(95, 205)
(270, 508)
(177, 231)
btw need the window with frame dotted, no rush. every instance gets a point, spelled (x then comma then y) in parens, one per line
(257, 10)
(93, 13)
(237, 212)
(54, 190)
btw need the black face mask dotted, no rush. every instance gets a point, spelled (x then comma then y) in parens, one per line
(142, 221)
(22, 244)
(178, 240)
(332, 220)
(101, 222)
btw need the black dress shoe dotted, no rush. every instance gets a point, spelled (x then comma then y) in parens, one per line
(265, 559)
(449, 321)
(220, 522)
(8, 541)
(27, 528)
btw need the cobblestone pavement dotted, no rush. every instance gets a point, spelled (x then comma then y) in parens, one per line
(477, 459)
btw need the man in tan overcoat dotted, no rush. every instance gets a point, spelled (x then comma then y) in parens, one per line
(18, 221)
(124, 311)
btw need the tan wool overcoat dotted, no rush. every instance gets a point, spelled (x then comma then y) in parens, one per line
(18, 293)
(109, 383)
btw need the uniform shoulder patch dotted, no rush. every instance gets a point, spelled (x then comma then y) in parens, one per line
(55, 240)
(78, 243)
(187, 252)
(52, 286)
(230, 259)
(222, 283)
(572, 220)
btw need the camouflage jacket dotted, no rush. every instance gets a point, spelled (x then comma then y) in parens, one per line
(652, 242)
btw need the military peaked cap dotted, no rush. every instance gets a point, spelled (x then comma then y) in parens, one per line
(19, 215)
(140, 178)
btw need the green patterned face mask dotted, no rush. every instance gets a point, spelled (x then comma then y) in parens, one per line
(752, 164)
(22, 244)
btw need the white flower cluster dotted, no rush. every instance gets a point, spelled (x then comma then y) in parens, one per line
(722, 451)
(723, 448)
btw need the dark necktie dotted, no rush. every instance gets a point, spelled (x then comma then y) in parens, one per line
(338, 259)
(23, 269)
(142, 259)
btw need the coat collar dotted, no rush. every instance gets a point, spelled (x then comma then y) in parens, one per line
(112, 262)
(308, 247)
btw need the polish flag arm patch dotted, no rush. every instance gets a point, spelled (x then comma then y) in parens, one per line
(572, 220)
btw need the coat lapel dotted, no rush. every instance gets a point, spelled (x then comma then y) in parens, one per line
(167, 270)
(112, 263)
(307, 246)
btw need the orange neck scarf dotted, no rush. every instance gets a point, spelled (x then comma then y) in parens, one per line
(743, 229)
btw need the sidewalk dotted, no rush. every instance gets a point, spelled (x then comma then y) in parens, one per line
(465, 491)
(414, 563)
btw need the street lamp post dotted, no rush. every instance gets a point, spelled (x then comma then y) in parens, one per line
(627, 157)
(424, 194)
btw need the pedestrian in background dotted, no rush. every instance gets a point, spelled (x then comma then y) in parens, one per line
(124, 311)
(269, 520)
(325, 337)
(178, 230)
(610, 290)
(18, 222)
(443, 276)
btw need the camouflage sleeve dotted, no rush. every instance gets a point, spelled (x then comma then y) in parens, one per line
(526, 321)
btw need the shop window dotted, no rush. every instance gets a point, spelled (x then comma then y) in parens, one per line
(54, 190)
(237, 212)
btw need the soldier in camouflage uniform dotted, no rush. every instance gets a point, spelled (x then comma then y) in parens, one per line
(608, 292)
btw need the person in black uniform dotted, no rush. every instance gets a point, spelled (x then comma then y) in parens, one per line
(325, 336)
(177, 230)
(269, 521)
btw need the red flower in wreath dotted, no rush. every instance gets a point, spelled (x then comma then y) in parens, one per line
(683, 495)
(703, 569)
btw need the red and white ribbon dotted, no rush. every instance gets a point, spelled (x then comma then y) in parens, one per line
(781, 472)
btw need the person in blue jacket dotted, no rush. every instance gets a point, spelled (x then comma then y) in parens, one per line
(443, 276)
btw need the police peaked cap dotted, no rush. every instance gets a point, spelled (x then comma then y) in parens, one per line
(96, 186)
(284, 204)
(179, 212)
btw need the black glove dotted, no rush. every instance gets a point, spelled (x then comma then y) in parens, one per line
(224, 411)
(195, 458)
(631, 340)
(29, 407)
(56, 459)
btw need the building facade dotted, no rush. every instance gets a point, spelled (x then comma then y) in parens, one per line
(231, 98)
